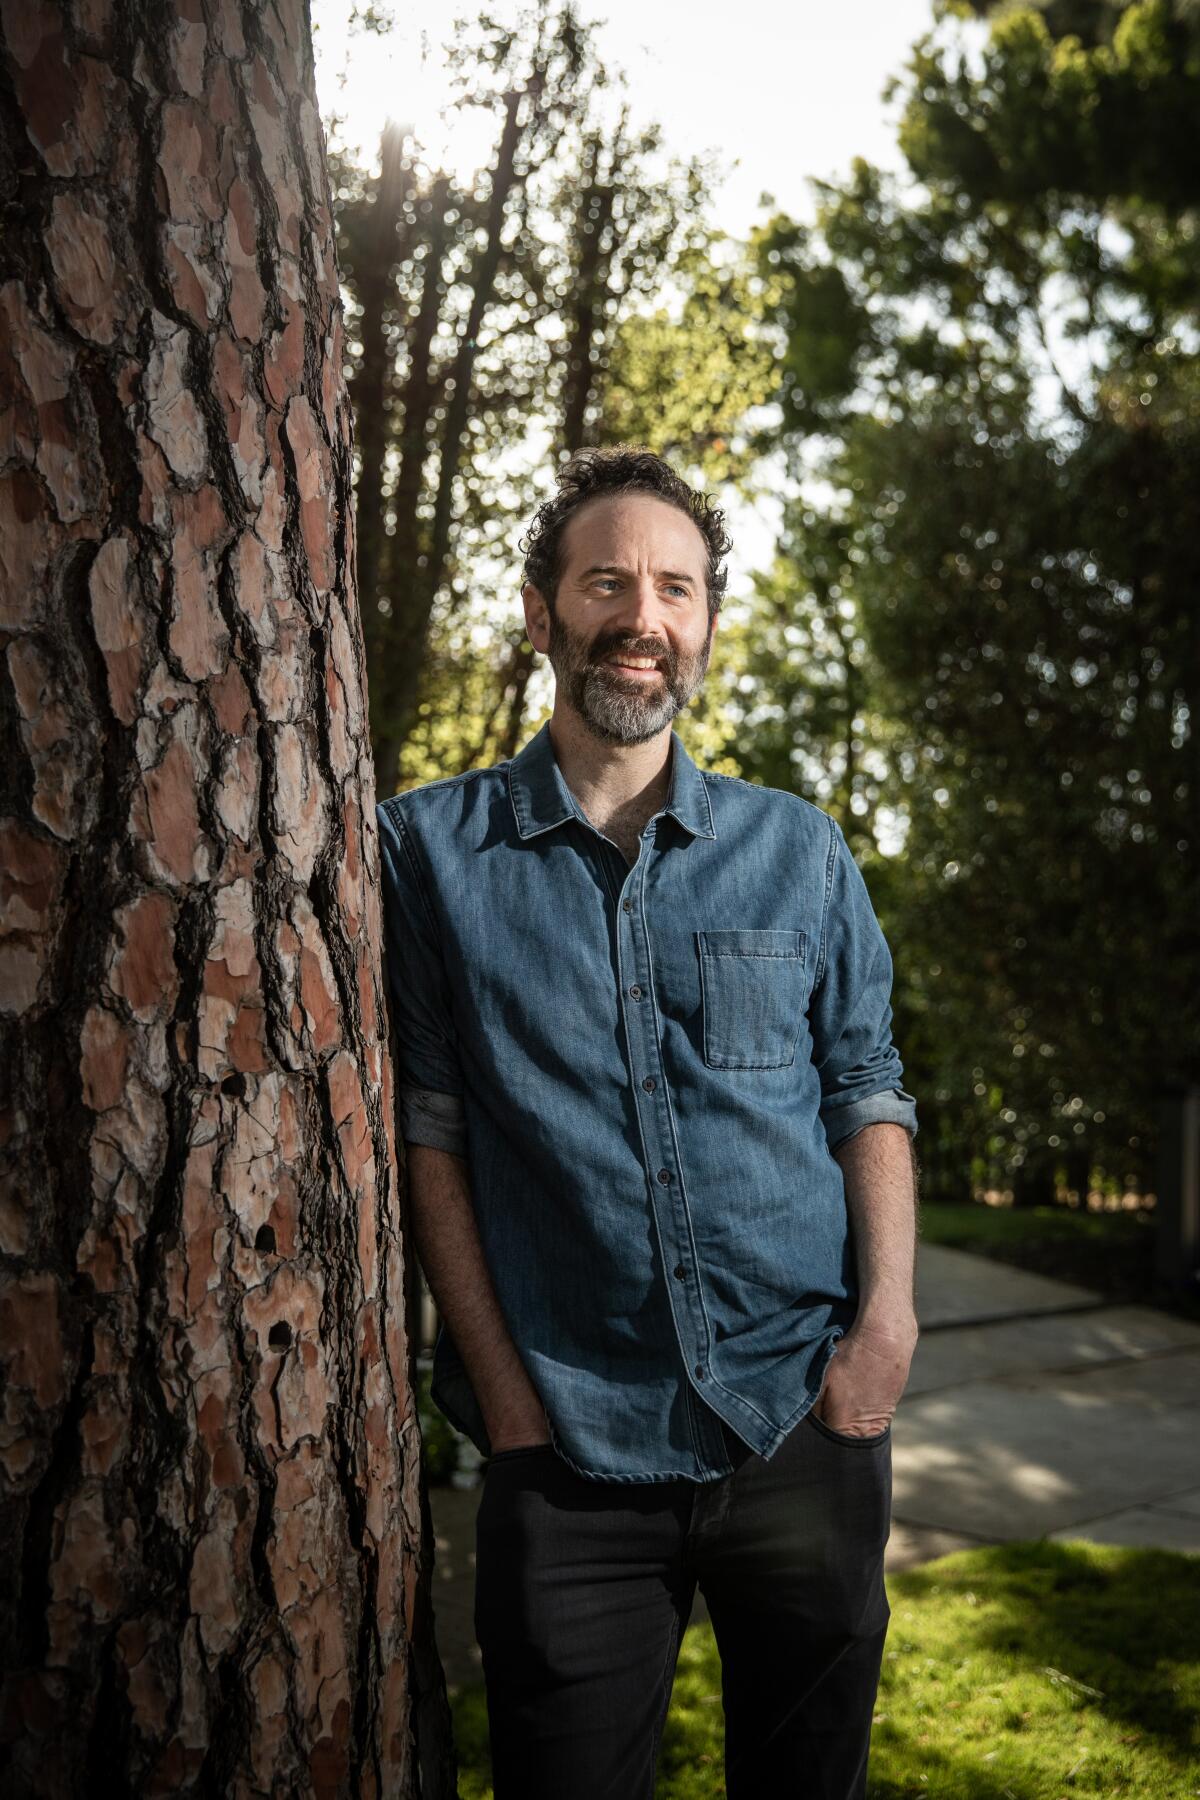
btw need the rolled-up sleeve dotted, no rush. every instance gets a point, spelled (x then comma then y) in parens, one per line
(850, 1012)
(429, 1069)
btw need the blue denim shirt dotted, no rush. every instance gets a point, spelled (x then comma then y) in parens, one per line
(652, 1064)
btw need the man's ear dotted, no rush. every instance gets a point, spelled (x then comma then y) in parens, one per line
(537, 617)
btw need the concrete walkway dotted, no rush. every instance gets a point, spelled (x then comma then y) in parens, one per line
(1033, 1409)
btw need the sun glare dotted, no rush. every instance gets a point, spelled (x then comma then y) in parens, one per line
(372, 79)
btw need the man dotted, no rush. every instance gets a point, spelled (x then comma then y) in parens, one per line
(662, 1188)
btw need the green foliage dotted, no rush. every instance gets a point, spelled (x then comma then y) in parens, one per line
(471, 1743)
(808, 715)
(985, 634)
(685, 384)
(1050, 115)
(439, 1440)
(1035, 1669)
(977, 643)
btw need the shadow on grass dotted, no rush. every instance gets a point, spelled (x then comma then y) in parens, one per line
(1026, 1671)
(1039, 1670)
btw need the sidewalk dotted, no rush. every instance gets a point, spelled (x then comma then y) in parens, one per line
(1033, 1409)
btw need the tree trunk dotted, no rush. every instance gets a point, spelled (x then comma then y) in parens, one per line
(593, 247)
(1079, 1172)
(1033, 1181)
(372, 391)
(414, 583)
(400, 564)
(215, 1578)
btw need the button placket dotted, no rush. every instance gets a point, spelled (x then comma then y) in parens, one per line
(658, 1134)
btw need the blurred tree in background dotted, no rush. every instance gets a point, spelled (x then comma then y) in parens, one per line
(977, 641)
(999, 366)
(495, 325)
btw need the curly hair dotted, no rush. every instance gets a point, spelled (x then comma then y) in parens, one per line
(620, 469)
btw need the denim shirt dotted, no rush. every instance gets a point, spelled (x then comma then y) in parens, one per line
(652, 1064)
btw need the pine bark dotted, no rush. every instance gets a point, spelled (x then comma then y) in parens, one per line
(216, 1542)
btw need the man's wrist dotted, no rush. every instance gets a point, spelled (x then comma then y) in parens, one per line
(515, 1435)
(506, 1424)
(887, 1314)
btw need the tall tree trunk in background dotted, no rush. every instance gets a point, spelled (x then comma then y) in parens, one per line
(608, 173)
(215, 1576)
(852, 685)
(592, 255)
(509, 741)
(372, 388)
(400, 553)
(418, 575)
(1033, 1180)
(585, 315)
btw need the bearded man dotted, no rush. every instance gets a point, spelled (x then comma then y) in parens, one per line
(662, 1187)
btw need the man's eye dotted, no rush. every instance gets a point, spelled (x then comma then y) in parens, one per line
(672, 587)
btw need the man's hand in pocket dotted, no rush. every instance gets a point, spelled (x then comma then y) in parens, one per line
(866, 1377)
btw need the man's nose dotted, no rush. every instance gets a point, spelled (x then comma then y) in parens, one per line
(640, 613)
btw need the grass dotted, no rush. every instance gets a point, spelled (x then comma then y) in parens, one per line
(1025, 1671)
(1112, 1252)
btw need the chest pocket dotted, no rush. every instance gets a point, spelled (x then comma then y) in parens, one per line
(752, 996)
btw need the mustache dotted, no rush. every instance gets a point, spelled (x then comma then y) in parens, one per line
(661, 652)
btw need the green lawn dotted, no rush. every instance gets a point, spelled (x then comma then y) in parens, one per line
(1112, 1252)
(1030, 1671)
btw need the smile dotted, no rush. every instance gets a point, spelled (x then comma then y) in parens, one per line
(640, 667)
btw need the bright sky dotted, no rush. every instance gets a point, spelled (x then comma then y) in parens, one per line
(782, 93)
(779, 95)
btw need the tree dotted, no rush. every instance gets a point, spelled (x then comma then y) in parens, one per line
(496, 324)
(217, 1547)
(431, 266)
(999, 359)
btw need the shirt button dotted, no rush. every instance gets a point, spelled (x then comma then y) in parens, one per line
(648, 1083)
(664, 1175)
(680, 1272)
(700, 1371)
(635, 992)
(627, 906)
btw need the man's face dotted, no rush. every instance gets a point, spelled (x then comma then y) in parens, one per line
(628, 637)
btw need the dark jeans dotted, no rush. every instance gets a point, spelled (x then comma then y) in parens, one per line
(583, 1589)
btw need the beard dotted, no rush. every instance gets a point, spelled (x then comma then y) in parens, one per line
(623, 709)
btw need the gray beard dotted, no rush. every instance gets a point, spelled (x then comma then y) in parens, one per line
(615, 707)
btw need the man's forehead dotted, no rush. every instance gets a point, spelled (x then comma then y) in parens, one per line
(610, 520)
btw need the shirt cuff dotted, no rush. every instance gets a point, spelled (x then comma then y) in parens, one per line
(892, 1108)
(437, 1120)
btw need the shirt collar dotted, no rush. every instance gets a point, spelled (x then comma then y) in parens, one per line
(541, 798)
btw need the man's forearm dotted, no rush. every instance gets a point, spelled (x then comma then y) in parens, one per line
(866, 1378)
(447, 1242)
(880, 1172)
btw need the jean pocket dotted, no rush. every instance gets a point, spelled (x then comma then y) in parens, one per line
(841, 1437)
(519, 1450)
(752, 997)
